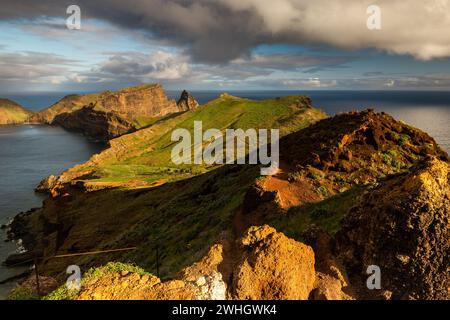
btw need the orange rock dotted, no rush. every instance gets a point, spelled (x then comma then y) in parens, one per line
(273, 267)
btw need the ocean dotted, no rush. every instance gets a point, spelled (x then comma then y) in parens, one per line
(29, 153)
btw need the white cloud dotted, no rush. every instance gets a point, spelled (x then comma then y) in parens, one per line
(159, 65)
(309, 83)
(416, 27)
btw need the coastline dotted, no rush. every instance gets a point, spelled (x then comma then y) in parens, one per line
(40, 150)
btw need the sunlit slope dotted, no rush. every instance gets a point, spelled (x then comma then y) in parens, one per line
(144, 157)
(13, 113)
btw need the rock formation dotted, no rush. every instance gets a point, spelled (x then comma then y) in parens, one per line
(273, 267)
(109, 114)
(187, 102)
(403, 227)
(96, 124)
(268, 266)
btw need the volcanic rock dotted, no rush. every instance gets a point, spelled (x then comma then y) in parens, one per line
(187, 102)
(273, 267)
(403, 227)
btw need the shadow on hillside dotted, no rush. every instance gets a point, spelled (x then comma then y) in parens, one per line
(172, 225)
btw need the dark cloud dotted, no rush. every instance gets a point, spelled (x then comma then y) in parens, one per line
(223, 30)
(209, 31)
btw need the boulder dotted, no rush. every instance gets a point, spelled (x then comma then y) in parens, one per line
(273, 267)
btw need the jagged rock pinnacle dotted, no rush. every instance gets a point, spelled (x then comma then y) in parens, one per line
(187, 102)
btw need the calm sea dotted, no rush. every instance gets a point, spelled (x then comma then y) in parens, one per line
(30, 153)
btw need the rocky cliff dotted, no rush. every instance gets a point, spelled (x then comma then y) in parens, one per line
(13, 113)
(96, 124)
(106, 115)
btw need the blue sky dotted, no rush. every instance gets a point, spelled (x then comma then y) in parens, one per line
(38, 53)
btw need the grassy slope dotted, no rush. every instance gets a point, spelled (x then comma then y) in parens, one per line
(183, 216)
(12, 113)
(146, 159)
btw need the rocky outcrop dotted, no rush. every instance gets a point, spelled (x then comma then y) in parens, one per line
(187, 102)
(110, 114)
(48, 185)
(130, 103)
(269, 266)
(339, 153)
(96, 124)
(273, 267)
(13, 113)
(403, 227)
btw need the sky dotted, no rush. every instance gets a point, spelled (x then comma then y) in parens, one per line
(225, 45)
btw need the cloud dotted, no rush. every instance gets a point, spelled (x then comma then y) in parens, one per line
(309, 83)
(33, 66)
(157, 66)
(31, 69)
(290, 62)
(224, 30)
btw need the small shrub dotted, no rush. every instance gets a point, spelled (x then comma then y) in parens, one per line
(23, 294)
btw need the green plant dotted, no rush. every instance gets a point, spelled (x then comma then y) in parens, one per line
(62, 293)
(404, 139)
(23, 294)
(322, 190)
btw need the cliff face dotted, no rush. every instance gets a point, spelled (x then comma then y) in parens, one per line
(13, 113)
(99, 125)
(109, 114)
(142, 101)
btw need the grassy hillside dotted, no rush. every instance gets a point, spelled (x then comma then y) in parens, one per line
(12, 113)
(144, 157)
(132, 195)
(180, 210)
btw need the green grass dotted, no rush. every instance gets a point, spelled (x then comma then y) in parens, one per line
(184, 216)
(23, 294)
(148, 151)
